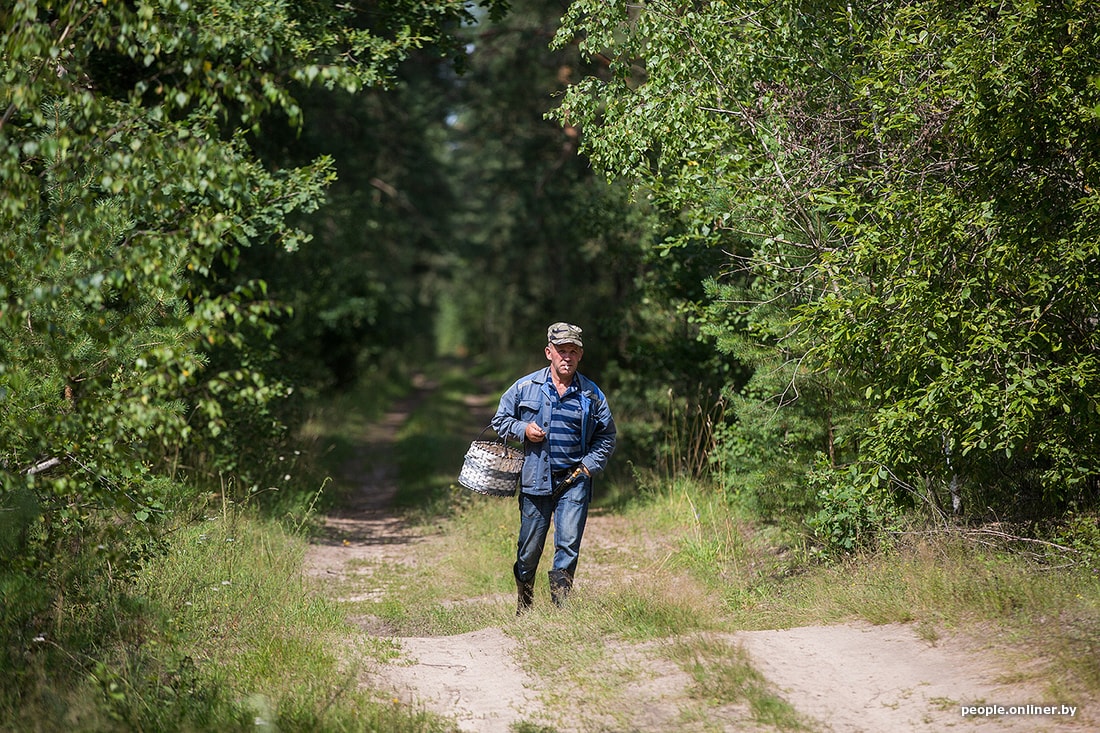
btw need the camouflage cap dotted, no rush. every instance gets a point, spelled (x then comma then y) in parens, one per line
(564, 333)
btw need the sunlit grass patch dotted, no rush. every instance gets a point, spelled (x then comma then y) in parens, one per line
(653, 606)
(942, 584)
(713, 539)
(236, 603)
(937, 582)
(411, 603)
(722, 673)
(456, 581)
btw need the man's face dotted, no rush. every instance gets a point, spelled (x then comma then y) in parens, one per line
(564, 359)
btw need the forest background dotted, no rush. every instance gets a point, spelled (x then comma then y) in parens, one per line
(837, 260)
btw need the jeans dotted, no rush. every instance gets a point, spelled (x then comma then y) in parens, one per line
(570, 512)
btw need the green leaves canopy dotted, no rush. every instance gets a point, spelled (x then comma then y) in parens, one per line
(131, 190)
(908, 193)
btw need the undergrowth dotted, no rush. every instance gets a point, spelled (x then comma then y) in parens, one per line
(217, 631)
(1015, 607)
(1020, 605)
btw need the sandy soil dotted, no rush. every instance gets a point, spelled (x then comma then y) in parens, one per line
(851, 678)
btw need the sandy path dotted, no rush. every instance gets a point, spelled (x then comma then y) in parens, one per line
(472, 678)
(864, 679)
(847, 679)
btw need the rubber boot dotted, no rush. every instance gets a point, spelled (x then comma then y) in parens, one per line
(525, 596)
(561, 583)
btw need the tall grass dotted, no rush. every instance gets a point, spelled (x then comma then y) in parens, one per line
(237, 602)
(219, 631)
(944, 584)
(763, 575)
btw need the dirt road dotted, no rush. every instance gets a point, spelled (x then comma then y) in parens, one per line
(852, 678)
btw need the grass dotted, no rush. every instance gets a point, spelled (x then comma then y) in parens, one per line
(441, 595)
(723, 673)
(218, 632)
(433, 440)
(219, 629)
(944, 584)
(1033, 617)
(717, 570)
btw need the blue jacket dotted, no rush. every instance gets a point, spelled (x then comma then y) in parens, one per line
(530, 399)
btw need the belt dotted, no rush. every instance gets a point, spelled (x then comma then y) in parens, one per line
(560, 480)
(557, 476)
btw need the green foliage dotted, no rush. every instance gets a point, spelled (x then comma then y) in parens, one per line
(132, 348)
(362, 294)
(689, 116)
(906, 196)
(136, 362)
(855, 507)
(1080, 533)
(968, 318)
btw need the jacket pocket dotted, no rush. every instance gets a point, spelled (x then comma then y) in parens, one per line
(529, 409)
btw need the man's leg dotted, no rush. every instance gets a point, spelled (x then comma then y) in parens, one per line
(570, 517)
(534, 522)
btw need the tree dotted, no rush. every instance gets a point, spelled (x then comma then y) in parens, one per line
(692, 112)
(977, 303)
(537, 237)
(130, 345)
(363, 293)
(907, 197)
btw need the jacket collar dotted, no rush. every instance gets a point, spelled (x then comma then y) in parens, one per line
(544, 377)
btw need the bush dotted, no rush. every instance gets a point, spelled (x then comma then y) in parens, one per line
(856, 507)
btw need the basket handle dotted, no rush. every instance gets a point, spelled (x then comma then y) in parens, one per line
(500, 439)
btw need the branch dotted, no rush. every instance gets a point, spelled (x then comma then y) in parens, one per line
(976, 536)
(38, 71)
(43, 466)
(1015, 538)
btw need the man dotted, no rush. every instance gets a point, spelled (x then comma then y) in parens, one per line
(568, 434)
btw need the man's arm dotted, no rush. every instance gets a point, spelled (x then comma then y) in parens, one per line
(602, 444)
(505, 422)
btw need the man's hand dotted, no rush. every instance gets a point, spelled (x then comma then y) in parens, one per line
(578, 473)
(534, 433)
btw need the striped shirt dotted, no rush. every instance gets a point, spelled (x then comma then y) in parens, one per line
(565, 428)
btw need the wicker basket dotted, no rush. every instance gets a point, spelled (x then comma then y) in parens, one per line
(491, 468)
